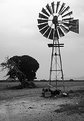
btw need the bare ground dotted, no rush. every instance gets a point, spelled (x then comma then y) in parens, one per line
(29, 105)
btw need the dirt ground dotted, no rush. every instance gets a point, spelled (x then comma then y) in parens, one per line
(34, 107)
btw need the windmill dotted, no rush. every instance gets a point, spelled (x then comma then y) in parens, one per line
(54, 21)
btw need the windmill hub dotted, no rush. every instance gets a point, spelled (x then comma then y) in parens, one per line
(55, 20)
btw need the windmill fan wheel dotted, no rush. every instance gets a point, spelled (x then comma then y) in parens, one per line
(54, 20)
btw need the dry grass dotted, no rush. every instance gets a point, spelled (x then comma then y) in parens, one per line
(28, 105)
(10, 90)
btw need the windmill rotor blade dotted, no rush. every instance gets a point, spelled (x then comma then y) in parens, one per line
(62, 7)
(53, 9)
(51, 34)
(57, 6)
(64, 29)
(56, 36)
(40, 21)
(48, 31)
(66, 24)
(62, 10)
(68, 14)
(61, 34)
(46, 34)
(44, 30)
(66, 9)
(67, 19)
(41, 26)
(45, 12)
(42, 16)
(49, 9)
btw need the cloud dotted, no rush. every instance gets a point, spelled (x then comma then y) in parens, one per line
(2, 1)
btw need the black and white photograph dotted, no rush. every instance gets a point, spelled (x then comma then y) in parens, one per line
(41, 60)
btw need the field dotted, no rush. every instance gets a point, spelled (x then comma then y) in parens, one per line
(10, 90)
(28, 105)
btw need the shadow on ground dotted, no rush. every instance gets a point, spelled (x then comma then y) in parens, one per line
(19, 87)
(75, 108)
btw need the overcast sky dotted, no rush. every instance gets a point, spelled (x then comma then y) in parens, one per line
(19, 35)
